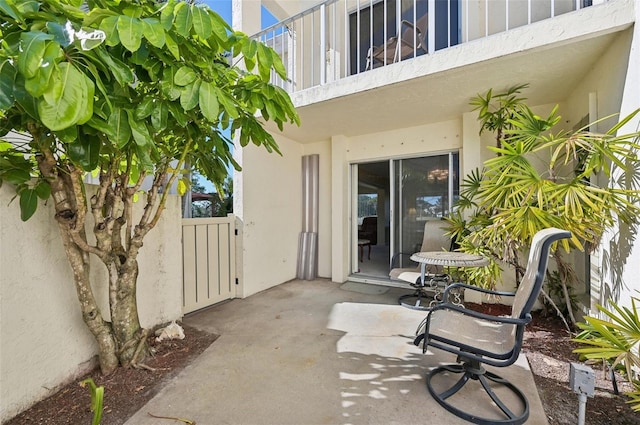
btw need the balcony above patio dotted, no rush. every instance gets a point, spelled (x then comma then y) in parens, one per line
(468, 46)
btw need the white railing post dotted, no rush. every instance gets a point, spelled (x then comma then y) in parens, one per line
(292, 71)
(357, 36)
(466, 21)
(323, 45)
(506, 15)
(347, 60)
(431, 27)
(486, 18)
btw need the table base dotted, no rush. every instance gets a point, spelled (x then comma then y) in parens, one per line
(430, 294)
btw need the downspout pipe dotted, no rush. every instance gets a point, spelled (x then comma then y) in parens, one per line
(307, 265)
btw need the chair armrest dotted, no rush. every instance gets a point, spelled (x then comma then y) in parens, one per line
(477, 289)
(478, 315)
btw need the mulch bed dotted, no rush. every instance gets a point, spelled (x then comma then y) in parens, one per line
(125, 391)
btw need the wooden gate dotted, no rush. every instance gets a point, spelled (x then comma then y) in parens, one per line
(208, 261)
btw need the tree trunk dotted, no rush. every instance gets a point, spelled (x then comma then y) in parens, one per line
(69, 204)
(124, 312)
(566, 274)
(101, 329)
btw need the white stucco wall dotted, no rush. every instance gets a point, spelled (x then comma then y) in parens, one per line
(269, 205)
(631, 102)
(44, 341)
(403, 142)
(612, 78)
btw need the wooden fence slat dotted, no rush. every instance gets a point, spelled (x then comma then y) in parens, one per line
(208, 261)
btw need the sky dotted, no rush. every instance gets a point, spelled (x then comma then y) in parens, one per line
(222, 7)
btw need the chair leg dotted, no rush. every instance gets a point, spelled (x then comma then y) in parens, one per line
(471, 370)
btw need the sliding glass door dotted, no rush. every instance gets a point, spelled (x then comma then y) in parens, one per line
(424, 189)
(392, 201)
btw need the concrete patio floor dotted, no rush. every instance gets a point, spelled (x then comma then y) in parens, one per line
(315, 352)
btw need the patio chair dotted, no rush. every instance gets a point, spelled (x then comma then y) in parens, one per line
(433, 239)
(400, 47)
(369, 230)
(478, 339)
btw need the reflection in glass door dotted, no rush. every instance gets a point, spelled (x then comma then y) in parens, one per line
(394, 200)
(371, 207)
(424, 189)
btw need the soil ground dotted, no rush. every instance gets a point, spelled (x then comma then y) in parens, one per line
(548, 347)
(125, 391)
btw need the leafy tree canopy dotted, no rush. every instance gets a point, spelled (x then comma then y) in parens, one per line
(130, 84)
(131, 91)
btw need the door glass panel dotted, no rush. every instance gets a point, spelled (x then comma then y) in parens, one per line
(373, 197)
(425, 189)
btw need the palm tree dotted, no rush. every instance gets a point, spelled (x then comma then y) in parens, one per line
(542, 177)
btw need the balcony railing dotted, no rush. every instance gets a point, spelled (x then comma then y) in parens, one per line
(339, 38)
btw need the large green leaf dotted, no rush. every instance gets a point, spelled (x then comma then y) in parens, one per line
(184, 18)
(249, 49)
(32, 45)
(85, 151)
(68, 135)
(278, 65)
(110, 27)
(124, 74)
(87, 112)
(38, 85)
(59, 33)
(16, 176)
(144, 108)
(43, 189)
(97, 15)
(166, 16)
(139, 130)
(184, 76)
(172, 46)
(119, 127)
(24, 99)
(159, 116)
(153, 32)
(189, 95)
(227, 103)
(201, 21)
(101, 125)
(167, 86)
(265, 61)
(6, 8)
(130, 31)
(7, 82)
(219, 27)
(72, 105)
(28, 203)
(27, 7)
(178, 113)
(209, 101)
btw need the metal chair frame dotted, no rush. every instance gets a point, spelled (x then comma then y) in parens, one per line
(470, 354)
